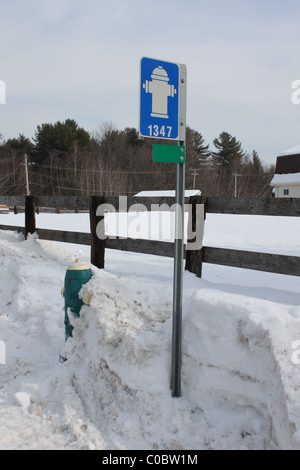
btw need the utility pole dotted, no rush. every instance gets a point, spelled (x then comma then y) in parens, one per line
(235, 183)
(26, 175)
(194, 178)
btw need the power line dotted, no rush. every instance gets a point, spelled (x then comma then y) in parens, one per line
(86, 170)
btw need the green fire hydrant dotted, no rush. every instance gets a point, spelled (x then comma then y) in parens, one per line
(78, 274)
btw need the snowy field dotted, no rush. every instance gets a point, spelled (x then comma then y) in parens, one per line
(241, 346)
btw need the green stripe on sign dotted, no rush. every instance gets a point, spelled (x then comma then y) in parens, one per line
(168, 153)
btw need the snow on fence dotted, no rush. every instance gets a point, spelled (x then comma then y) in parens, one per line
(280, 264)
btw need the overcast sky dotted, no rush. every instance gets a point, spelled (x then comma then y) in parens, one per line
(80, 59)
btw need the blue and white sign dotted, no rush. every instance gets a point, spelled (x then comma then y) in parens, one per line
(159, 99)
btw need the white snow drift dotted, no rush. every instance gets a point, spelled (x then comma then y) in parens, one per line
(240, 383)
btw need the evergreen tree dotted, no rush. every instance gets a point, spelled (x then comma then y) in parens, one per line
(229, 150)
(197, 151)
(20, 145)
(59, 139)
(132, 137)
(257, 163)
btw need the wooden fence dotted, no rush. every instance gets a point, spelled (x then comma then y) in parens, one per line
(280, 264)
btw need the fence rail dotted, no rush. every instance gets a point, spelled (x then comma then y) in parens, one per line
(289, 207)
(280, 264)
(252, 206)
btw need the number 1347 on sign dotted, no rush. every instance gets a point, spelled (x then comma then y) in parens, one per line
(157, 131)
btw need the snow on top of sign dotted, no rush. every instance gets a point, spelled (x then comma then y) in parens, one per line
(171, 193)
(292, 151)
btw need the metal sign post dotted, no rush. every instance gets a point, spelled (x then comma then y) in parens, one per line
(163, 116)
(178, 282)
(179, 244)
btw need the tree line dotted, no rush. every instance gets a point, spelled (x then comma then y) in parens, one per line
(65, 159)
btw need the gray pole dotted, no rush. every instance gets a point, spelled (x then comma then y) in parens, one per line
(178, 281)
(26, 176)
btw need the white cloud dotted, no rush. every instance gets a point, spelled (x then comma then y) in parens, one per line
(67, 58)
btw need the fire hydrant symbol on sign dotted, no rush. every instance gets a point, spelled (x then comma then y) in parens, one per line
(160, 90)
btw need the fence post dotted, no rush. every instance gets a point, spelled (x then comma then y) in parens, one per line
(194, 258)
(97, 242)
(30, 221)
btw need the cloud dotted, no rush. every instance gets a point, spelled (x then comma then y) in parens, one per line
(68, 58)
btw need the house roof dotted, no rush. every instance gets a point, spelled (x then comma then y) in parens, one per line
(285, 179)
(171, 193)
(287, 169)
(290, 163)
(292, 151)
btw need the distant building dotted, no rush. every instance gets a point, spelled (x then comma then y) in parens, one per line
(165, 193)
(4, 210)
(286, 180)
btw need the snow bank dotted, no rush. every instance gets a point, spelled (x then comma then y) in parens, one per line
(235, 395)
(229, 346)
(240, 379)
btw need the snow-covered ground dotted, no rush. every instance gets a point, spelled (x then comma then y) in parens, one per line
(241, 344)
